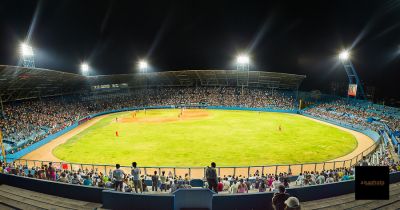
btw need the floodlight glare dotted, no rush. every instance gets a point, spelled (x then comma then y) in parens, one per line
(26, 50)
(143, 64)
(344, 55)
(243, 59)
(84, 67)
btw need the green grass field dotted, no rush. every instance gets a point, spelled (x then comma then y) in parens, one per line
(229, 138)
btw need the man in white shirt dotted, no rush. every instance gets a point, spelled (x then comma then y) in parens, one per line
(226, 184)
(234, 188)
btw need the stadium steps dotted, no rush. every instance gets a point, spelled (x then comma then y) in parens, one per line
(18, 198)
(348, 202)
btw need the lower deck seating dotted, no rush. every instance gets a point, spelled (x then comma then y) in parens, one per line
(17, 198)
(348, 202)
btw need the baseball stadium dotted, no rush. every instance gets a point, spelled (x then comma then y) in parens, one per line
(234, 138)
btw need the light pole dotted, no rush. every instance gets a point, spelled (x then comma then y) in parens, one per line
(143, 67)
(355, 87)
(85, 69)
(27, 55)
(243, 67)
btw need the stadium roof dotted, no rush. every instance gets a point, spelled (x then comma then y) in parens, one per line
(22, 83)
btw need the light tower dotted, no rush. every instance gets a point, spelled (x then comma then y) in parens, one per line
(143, 67)
(242, 67)
(85, 69)
(27, 55)
(243, 62)
(355, 86)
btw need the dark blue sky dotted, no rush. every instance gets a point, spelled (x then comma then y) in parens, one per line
(301, 37)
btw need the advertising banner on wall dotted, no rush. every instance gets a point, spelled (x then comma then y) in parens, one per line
(352, 90)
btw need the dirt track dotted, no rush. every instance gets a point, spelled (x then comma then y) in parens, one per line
(45, 153)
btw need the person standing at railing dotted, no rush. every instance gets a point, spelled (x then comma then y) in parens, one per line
(135, 171)
(52, 172)
(118, 176)
(154, 182)
(211, 176)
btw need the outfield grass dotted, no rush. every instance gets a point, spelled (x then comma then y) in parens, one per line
(230, 138)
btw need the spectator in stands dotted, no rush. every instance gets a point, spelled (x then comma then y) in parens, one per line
(154, 182)
(242, 187)
(321, 178)
(144, 185)
(262, 187)
(51, 172)
(76, 180)
(163, 181)
(275, 184)
(278, 201)
(118, 176)
(135, 172)
(292, 203)
(63, 178)
(220, 185)
(234, 187)
(300, 179)
(226, 183)
(329, 179)
(87, 180)
(211, 175)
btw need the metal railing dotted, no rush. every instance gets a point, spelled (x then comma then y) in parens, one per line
(199, 172)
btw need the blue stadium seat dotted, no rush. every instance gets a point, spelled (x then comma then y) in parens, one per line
(196, 183)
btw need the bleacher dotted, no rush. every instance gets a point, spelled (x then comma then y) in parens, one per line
(17, 198)
(348, 202)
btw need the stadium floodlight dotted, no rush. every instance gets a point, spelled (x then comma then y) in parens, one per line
(26, 50)
(243, 62)
(143, 65)
(27, 55)
(344, 55)
(84, 68)
(243, 59)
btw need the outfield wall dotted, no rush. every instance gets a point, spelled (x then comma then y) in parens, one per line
(373, 135)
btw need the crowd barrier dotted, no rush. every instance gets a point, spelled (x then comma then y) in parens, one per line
(119, 200)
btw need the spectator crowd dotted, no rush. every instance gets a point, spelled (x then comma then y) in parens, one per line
(359, 114)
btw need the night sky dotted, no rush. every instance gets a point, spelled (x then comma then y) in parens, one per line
(301, 37)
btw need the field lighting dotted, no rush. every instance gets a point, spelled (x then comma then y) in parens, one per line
(85, 69)
(344, 55)
(243, 59)
(26, 50)
(243, 62)
(143, 65)
(27, 55)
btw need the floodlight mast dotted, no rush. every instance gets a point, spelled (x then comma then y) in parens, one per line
(27, 55)
(85, 69)
(344, 57)
(143, 67)
(243, 62)
(242, 67)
